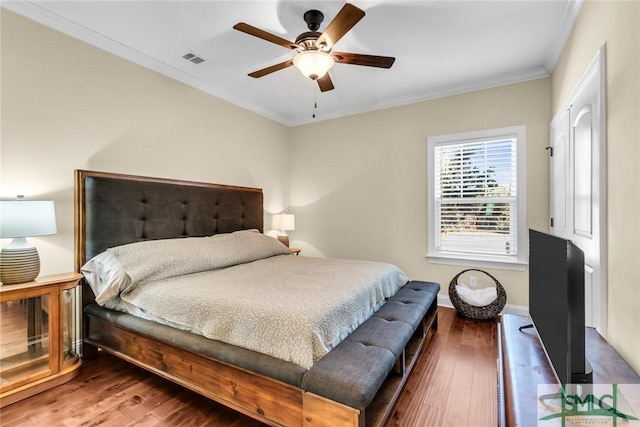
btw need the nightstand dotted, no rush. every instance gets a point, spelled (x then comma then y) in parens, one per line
(295, 251)
(39, 324)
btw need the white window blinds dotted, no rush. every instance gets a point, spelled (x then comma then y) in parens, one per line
(475, 189)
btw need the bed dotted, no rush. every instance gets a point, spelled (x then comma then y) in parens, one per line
(319, 375)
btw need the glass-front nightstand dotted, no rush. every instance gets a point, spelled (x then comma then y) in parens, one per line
(39, 325)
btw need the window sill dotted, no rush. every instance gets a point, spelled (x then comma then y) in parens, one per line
(475, 262)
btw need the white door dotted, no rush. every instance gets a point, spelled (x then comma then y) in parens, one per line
(577, 184)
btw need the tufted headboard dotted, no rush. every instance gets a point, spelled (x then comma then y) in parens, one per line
(115, 209)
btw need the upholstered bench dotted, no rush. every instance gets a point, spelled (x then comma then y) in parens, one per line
(353, 372)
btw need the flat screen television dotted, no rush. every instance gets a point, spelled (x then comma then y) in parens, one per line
(557, 304)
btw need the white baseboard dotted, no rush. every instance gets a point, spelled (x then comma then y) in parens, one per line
(520, 310)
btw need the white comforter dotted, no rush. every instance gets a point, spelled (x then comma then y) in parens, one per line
(293, 308)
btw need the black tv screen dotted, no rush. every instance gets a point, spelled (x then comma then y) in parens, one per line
(557, 304)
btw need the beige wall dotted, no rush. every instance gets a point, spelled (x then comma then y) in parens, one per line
(358, 184)
(616, 25)
(67, 105)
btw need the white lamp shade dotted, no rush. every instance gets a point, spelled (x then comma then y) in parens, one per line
(313, 64)
(27, 218)
(283, 222)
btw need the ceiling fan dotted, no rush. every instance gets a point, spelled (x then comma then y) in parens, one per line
(315, 56)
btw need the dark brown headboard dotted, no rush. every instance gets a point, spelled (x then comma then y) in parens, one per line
(115, 209)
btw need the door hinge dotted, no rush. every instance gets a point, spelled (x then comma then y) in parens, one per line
(551, 222)
(550, 150)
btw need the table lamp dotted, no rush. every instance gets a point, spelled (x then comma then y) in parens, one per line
(19, 219)
(283, 223)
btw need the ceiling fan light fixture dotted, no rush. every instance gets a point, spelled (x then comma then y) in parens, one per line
(313, 64)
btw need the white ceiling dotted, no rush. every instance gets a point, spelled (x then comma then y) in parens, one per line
(441, 47)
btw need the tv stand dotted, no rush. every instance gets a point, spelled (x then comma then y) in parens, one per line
(586, 378)
(522, 365)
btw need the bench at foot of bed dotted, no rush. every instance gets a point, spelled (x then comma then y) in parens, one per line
(367, 371)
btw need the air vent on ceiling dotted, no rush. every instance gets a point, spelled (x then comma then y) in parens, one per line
(193, 58)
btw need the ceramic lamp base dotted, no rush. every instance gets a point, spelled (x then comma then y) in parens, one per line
(19, 265)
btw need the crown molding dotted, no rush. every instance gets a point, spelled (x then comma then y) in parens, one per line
(571, 12)
(488, 83)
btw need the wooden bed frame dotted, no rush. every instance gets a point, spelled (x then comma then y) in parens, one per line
(266, 399)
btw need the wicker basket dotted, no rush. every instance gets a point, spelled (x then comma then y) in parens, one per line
(489, 311)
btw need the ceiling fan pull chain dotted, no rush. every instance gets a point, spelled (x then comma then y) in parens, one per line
(315, 103)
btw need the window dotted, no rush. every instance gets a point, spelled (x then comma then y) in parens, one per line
(477, 198)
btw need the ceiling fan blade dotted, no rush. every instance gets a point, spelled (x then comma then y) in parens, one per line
(325, 83)
(277, 67)
(366, 60)
(261, 34)
(348, 16)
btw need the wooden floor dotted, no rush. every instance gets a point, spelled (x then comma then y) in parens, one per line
(453, 384)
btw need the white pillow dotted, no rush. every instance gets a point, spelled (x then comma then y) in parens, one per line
(477, 297)
(106, 276)
(122, 268)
